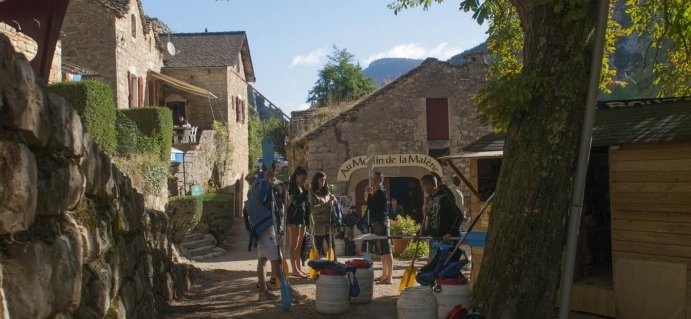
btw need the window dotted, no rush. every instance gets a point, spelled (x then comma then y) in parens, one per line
(240, 110)
(487, 175)
(437, 119)
(133, 25)
(134, 84)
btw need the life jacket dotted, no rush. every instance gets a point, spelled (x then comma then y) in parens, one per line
(428, 274)
(336, 216)
(258, 215)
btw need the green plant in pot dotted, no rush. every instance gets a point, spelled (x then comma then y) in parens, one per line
(403, 226)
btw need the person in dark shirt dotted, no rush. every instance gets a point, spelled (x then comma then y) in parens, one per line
(182, 121)
(443, 216)
(379, 214)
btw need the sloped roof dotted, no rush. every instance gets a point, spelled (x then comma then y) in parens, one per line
(210, 49)
(374, 96)
(663, 122)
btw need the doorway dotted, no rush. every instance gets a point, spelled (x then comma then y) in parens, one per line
(406, 190)
(178, 108)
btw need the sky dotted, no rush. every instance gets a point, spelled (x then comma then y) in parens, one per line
(289, 39)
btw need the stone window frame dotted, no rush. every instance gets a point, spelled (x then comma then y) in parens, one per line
(133, 25)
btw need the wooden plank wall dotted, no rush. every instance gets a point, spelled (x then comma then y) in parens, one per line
(651, 204)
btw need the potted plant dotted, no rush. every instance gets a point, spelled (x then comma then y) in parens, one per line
(403, 226)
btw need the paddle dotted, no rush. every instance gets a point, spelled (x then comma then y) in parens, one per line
(371, 150)
(286, 292)
(377, 237)
(330, 254)
(286, 236)
(408, 279)
(458, 245)
(314, 254)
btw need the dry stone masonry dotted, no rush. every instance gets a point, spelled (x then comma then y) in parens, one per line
(76, 240)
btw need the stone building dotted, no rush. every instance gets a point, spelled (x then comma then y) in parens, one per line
(116, 40)
(424, 114)
(29, 47)
(221, 63)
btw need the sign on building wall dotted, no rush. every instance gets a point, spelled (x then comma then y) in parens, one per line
(394, 160)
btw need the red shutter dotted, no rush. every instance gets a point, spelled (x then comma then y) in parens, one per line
(141, 92)
(129, 89)
(437, 119)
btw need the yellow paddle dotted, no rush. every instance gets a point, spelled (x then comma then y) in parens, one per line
(410, 273)
(330, 255)
(314, 254)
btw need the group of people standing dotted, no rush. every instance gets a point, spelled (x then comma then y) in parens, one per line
(309, 206)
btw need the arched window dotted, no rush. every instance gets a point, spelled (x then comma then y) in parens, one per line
(133, 25)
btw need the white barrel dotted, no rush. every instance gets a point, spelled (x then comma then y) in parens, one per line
(333, 292)
(417, 303)
(451, 292)
(365, 279)
(340, 247)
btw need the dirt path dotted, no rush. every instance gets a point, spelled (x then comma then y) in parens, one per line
(225, 288)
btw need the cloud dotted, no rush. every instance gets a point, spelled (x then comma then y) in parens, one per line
(303, 106)
(415, 51)
(311, 58)
(292, 106)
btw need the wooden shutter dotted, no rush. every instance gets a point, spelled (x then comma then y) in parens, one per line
(141, 92)
(237, 109)
(130, 97)
(437, 119)
(244, 111)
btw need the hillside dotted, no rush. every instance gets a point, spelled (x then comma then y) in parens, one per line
(388, 69)
(458, 58)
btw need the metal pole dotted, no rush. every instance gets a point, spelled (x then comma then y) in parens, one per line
(184, 176)
(583, 158)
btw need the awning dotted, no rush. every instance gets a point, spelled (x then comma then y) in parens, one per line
(486, 154)
(182, 85)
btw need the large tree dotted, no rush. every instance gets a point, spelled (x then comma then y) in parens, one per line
(536, 93)
(340, 80)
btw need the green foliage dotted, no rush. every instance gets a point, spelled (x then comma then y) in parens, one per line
(155, 125)
(148, 173)
(127, 135)
(509, 89)
(423, 250)
(404, 226)
(668, 23)
(340, 80)
(277, 130)
(218, 213)
(93, 101)
(224, 152)
(184, 212)
(254, 136)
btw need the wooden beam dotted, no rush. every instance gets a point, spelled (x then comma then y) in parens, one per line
(465, 180)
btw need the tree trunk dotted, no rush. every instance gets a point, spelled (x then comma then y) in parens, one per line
(521, 267)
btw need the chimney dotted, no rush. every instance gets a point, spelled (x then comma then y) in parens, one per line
(206, 30)
(475, 57)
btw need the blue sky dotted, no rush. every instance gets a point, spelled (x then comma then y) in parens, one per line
(289, 40)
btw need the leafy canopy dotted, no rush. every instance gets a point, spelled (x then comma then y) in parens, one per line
(667, 23)
(341, 79)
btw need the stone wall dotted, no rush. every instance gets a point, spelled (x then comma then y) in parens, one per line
(136, 56)
(77, 240)
(89, 38)
(394, 120)
(99, 39)
(226, 84)
(28, 47)
(238, 130)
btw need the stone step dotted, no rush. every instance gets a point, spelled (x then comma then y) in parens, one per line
(192, 245)
(193, 237)
(208, 256)
(201, 251)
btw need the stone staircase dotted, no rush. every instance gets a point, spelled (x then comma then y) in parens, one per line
(200, 247)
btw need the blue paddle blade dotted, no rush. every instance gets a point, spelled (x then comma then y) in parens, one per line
(286, 292)
(267, 152)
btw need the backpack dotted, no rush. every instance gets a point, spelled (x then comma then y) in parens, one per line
(340, 268)
(458, 312)
(434, 269)
(337, 216)
(259, 217)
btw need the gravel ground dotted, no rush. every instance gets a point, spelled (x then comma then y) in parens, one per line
(225, 288)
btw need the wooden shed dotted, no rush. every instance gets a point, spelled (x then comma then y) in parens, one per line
(634, 257)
